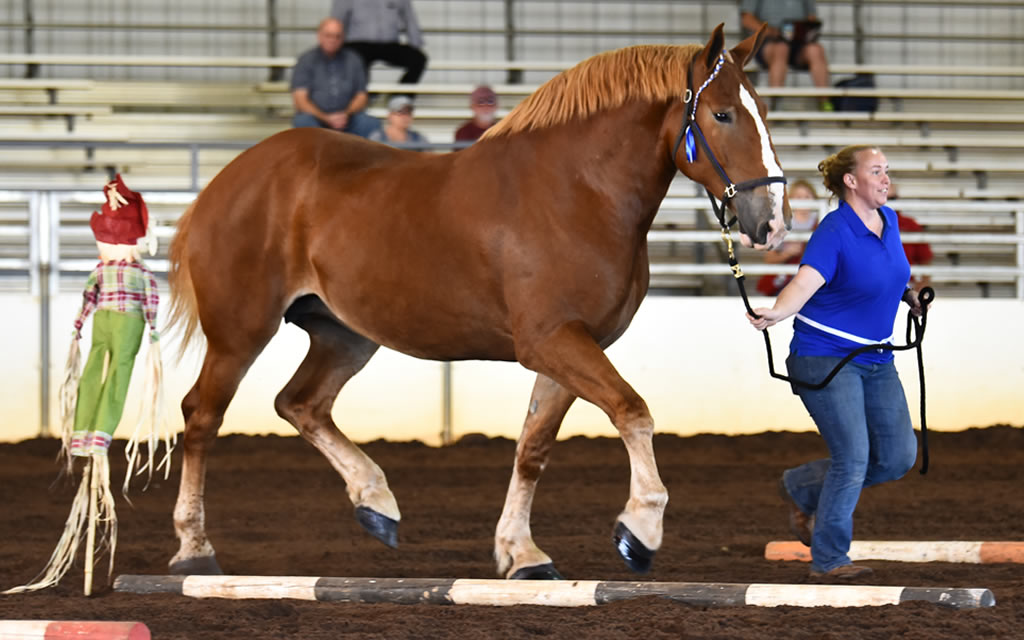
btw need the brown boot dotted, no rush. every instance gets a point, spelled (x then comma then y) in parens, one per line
(801, 525)
(844, 573)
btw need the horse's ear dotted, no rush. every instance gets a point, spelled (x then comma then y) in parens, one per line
(714, 46)
(744, 51)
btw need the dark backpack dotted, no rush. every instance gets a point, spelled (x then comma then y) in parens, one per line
(856, 103)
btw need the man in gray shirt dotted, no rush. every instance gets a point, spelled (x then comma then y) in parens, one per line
(374, 27)
(329, 85)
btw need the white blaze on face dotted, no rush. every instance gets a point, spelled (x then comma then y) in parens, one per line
(772, 168)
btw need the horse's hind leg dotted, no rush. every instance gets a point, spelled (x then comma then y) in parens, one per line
(516, 554)
(335, 355)
(203, 408)
(571, 357)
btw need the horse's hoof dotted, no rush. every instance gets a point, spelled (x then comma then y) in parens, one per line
(198, 566)
(378, 525)
(537, 572)
(637, 556)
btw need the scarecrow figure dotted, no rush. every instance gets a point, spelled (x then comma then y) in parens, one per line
(123, 293)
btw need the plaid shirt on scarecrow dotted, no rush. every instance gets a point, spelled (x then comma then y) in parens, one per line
(128, 287)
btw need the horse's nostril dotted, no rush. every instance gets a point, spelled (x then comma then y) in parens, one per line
(763, 230)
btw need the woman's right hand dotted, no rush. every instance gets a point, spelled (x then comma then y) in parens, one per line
(791, 299)
(768, 317)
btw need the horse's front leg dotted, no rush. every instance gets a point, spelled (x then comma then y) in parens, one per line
(571, 357)
(515, 553)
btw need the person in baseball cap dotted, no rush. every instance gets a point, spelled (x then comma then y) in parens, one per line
(398, 128)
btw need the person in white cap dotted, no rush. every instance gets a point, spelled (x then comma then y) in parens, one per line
(398, 129)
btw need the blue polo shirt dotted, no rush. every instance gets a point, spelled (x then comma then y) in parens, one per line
(865, 277)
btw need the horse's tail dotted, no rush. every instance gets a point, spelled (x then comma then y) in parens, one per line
(183, 293)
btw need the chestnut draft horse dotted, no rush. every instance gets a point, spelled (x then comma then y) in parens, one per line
(530, 245)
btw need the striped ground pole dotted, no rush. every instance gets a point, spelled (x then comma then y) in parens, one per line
(909, 551)
(558, 593)
(72, 630)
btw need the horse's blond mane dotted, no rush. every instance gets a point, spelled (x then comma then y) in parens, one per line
(605, 81)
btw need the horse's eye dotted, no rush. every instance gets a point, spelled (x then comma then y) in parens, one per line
(722, 116)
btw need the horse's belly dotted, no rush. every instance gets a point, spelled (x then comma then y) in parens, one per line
(455, 347)
(431, 334)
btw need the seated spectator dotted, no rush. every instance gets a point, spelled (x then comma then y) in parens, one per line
(771, 284)
(398, 128)
(329, 85)
(484, 104)
(791, 39)
(374, 27)
(917, 252)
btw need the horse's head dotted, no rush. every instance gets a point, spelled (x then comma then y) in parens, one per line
(720, 140)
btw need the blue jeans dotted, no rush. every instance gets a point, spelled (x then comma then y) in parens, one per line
(863, 417)
(359, 123)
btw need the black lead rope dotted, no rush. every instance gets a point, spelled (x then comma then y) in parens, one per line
(925, 298)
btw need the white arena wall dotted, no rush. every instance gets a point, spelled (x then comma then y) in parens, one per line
(696, 361)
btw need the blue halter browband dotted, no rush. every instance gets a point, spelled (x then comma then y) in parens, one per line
(691, 132)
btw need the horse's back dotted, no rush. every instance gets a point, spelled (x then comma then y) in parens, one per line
(295, 152)
(367, 228)
(290, 172)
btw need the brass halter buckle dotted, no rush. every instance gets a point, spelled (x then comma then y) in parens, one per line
(737, 271)
(728, 241)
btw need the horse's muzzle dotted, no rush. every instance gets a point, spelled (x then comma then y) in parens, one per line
(762, 221)
(772, 234)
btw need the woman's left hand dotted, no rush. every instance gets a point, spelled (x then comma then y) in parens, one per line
(910, 297)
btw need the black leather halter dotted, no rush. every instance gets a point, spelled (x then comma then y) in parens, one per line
(690, 123)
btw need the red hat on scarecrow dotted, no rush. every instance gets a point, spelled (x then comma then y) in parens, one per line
(124, 217)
